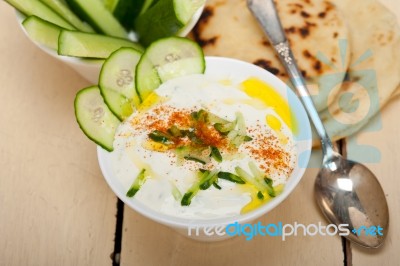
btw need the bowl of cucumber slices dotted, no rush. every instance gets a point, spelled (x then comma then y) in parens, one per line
(83, 33)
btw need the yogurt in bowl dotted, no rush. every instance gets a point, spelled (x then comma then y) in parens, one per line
(214, 149)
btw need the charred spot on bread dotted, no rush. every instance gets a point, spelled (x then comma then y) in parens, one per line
(265, 43)
(290, 30)
(205, 17)
(208, 12)
(304, 32)
(304, 14)
(266, 64)
(317, 66)
(307, 54)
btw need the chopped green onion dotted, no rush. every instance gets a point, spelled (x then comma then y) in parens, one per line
(197, 160)
(205, 176)
(241, 126)
(187, 198)
(215, 184)
(193, 138)
(238, 140)
(137, 184)
(260, 195)
(225, 128)
(231, 177)
(214, 119)
(209, 181)
(201, 116)
(270, 189)
(175, 192)
(257, 173)
(175, 131)
(247, 138)
(232, 134)
(268, 181)
(216, 154)
(160, 137)
(250, 179)
(197, 154)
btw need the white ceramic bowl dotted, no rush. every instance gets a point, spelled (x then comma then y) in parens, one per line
(90, 69)
(237, 71)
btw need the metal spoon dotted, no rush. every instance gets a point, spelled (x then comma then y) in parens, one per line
(347, 192)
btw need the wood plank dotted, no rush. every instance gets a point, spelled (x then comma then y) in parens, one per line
(145, 242)
(384, 146)
(56, 208)
(380, 141)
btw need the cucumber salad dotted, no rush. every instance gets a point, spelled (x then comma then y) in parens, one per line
(181, 142)
(185, 144)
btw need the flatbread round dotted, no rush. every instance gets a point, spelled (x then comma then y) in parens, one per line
(314, 28)
(374, 72)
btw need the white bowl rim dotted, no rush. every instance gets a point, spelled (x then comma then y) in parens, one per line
(178, 222)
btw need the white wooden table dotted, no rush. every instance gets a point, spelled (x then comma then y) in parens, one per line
(56, 209)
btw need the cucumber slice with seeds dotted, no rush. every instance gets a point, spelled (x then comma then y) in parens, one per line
(117, 82)
(165, 59)
(89, 45)
(94, 118)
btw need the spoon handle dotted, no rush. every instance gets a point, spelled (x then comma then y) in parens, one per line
(265, 12)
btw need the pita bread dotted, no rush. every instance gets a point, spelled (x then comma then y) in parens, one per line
(227, 28)
(374, 72)
(314, 27)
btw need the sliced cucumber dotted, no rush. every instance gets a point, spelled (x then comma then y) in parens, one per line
(94, 118)
(185, 9)
(37, 8)
(110, 4)
(166, 59)
(125, 11)
(146, 5)
(42, 31)
(61, 8)
(117, 82)
(80, 44)
(164, 18)
(96, 14)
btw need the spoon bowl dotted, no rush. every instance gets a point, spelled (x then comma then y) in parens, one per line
(348, 193)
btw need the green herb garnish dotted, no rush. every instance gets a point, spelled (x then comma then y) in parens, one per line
(160, 137)
(215, 154)
(215, 184)
(200, 116)
(137, 184)
(175, 131)
(260, 195)
(205, 176)
(194, 159)
(231, 177)
(270, 189)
